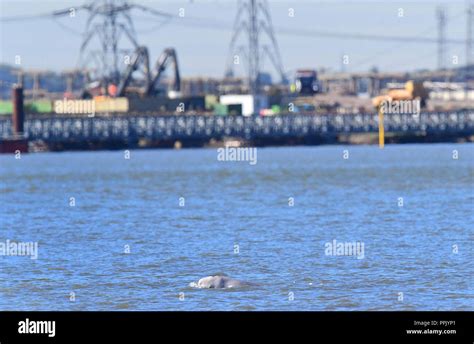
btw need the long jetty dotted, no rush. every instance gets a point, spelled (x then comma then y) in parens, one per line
(129, 129)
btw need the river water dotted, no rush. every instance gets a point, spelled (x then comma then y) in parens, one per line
(132, 234)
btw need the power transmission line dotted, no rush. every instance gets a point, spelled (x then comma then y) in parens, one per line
(211, 23)
(384, 52)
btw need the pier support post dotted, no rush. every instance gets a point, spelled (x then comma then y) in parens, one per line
(16, 143)
(18, 115)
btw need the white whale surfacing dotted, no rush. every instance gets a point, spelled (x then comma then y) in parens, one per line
(218, 282)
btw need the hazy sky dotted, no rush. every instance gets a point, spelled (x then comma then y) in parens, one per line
(202, 46)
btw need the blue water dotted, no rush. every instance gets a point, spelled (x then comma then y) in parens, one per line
(136, 202)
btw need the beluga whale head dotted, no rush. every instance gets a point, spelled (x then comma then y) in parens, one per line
(220, 281)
